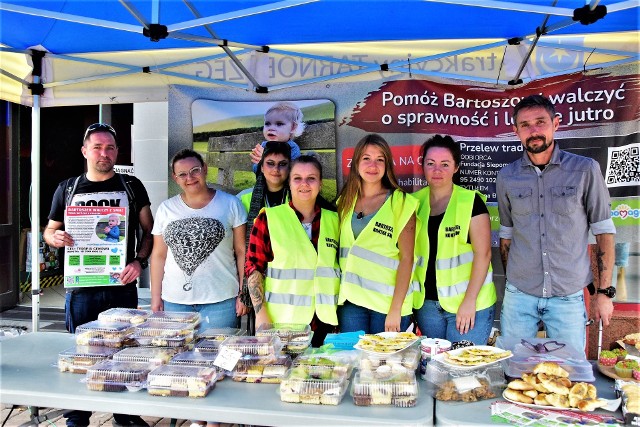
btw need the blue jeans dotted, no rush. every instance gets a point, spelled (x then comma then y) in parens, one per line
(435, 322)
(216, 315)
(564, 317)
(622, 254)
(84, 305)
(352, 318)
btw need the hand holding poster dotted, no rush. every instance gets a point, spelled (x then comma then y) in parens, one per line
(98, 255)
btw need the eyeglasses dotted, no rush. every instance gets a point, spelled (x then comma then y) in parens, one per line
(98, 127)
(545, 347)
(272, 164)
(194, 172)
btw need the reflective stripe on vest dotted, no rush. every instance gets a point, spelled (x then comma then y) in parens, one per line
(290, 274)
(461, 288)
(382, 260)
(456, 261)
(289, 299)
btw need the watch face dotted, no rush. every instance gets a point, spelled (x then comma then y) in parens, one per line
(610, 291)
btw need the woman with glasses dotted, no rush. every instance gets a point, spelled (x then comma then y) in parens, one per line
(198, 256)
(453, 246)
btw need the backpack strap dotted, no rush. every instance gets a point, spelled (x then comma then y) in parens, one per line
(129, 191)
(71, 190)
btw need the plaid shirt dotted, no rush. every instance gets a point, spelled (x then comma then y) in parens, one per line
(260, 253)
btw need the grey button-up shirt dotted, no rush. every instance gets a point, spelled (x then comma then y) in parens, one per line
(547, 215)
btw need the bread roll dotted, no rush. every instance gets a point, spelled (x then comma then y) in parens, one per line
(589, 405)
(554, 386)
(579, 391)
(541, 399)
(517, 396)
(531, 393)
(529, 377)
(564, 381)
(550, 368)
(540, 388)
(591, 391)
(520, 385)
(557, 400)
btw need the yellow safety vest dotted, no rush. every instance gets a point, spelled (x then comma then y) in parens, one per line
(369, 263)
(299, 280)
(455, 255)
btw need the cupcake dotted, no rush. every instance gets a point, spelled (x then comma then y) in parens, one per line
(620, 353)
(607, 358)
(624, 368)
(636, 374)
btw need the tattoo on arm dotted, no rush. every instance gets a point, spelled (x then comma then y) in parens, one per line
(600, 262)
(255, 283)
(504, 253)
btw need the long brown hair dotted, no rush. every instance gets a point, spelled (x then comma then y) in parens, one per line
(353, 185)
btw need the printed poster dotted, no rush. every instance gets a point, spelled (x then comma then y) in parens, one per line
(99, 253)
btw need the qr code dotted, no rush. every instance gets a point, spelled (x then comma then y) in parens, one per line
(623, 166)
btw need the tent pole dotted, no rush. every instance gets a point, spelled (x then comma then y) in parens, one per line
(35, 210)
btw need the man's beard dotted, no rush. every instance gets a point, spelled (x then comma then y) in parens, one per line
(539, 149)
(104, 167)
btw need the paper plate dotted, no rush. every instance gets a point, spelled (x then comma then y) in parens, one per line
(441, 357)
(612, 405)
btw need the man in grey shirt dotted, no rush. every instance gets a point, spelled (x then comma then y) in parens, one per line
(548, 200)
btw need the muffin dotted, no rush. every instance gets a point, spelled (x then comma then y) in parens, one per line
(620, 353)
(624, 368)
(607, 358)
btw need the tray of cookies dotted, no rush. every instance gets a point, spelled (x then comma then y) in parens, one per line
(262, 346)
(295, 337)
(252, 368)
(450, 384)
(77, 359)
(408, 358)
(163, 334)
(129, 315)
(303, 385)
(110, 375)
(399, 390)
(191, 318)
(154, 356)
(183, 381)
(99, 332)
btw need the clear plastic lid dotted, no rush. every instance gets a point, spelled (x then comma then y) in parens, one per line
(77, 359)
(528, 353)
(163, 334)
(128, 315)
(287, 332)
(98, 332)
(110, 375)
(208, 345)
(319, 372)
(318, 357)
(312, 391)
(194, 358)
(191, 318)
(261, 369)
(265, 345)
(398, 390)
(173, 380)
(220, 334)
(408, 358)
(154, 355)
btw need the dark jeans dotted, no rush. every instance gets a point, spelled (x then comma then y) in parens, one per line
(84, 305)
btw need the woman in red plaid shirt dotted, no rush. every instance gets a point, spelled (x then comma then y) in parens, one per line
(291, 263)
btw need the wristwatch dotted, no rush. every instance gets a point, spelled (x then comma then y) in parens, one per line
(610, 291)
(144, 263)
